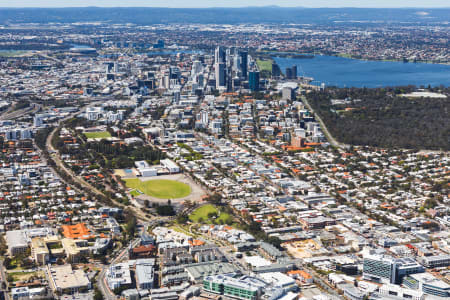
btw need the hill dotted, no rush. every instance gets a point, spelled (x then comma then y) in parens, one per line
(279, 15)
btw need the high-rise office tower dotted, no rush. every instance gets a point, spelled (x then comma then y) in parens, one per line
(220, 55)
(174, 72)
(276, 71)
(253, 80)
(294, 72)
(236, 63)
(220, 74)
(244, 63)
(288, 73)
(291, 73)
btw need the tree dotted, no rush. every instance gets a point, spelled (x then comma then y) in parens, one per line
(7, 263)
(212, 214)
(131, 226)
(104, 259)
(215, 199)
(182, 219)
(97, 294)
(165, 210)
(430, 203)
(275, 241)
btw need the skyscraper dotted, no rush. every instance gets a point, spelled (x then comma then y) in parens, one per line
(294, 72)
(244, 63)
(220, 55)
(276, 71)
(288, 73)
(253, 80)
(220, 74)
(291, 73)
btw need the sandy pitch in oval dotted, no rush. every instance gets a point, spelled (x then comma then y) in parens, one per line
(160, 188)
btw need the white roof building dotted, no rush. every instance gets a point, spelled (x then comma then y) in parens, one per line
(118, 275)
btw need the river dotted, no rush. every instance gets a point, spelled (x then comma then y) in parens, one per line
(347, 72)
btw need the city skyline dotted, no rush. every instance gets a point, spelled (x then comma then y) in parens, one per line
(250, 150)
(231, 3)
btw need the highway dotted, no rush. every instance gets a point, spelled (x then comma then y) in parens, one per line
(122, 255)
(11, 115)
(330, 138)
(59, 164)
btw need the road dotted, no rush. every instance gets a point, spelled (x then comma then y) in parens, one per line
(321, 282)
(123, 254)
(330, 138)
(59, 164)
(3, 280)
(54, 154)
(10, 115)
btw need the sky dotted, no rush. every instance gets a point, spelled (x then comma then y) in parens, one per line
(225, 3)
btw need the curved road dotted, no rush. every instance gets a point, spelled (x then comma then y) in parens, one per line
(54, 154)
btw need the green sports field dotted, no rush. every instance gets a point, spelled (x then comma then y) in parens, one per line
(264, 65)
(203, 211)
(97, 135)
(160, 188)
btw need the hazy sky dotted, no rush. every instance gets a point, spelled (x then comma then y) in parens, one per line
(225, 3)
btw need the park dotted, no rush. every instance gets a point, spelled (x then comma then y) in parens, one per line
(207, 213)
(159, 188)
(97, 135)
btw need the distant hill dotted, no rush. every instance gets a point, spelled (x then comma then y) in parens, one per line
(269, 14)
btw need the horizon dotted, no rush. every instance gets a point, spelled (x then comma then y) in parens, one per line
(225, 4)
(224, 7)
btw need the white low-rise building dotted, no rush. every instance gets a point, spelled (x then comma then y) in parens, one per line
(118, 275)
(401, 293)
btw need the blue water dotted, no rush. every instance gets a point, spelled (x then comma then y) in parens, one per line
(347, 72)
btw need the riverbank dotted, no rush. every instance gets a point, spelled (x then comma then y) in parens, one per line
(347, 72)
(345, 55)
(301, 55)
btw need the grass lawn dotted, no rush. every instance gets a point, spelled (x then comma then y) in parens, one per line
(182, 229)
(160, 188)
(97, 135)
(22, 276)
(203, 211)
(264, 65)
